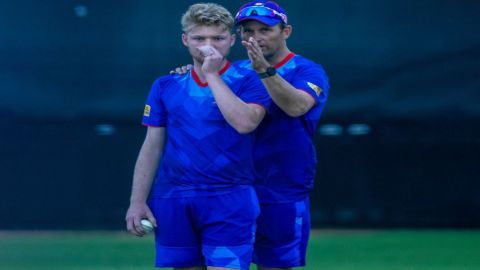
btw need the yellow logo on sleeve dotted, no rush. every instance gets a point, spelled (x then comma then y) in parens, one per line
(146, 111)
(315, 88)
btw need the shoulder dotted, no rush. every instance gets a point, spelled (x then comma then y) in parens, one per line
(244, 64)
(307, 68)
(310, 74)
(307, 64)
(240, 72)
(166, 81)
(243, 67)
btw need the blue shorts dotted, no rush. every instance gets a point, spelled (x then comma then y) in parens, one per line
(282, 235)
(216, 230)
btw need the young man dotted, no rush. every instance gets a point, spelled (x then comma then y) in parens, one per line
(199, 135)
(284, 155)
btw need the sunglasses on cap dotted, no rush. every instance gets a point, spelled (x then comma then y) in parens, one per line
(260, 11)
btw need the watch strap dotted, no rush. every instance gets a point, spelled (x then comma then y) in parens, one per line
(268, 73)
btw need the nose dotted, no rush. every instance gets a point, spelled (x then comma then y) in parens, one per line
(256, 35)
(208, 42)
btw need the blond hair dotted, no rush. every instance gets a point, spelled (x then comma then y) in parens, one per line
(207, 14)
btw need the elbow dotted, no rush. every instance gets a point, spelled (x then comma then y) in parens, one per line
(296, 111)
(245, 129)
(248, 124)
(299, 107)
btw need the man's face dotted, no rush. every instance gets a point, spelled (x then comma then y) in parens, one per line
(270, 38)
(215, 36)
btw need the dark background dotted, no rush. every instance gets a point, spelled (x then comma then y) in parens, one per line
(398, 144)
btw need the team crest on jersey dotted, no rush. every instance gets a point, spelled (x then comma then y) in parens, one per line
(315, 88)
(146, 111)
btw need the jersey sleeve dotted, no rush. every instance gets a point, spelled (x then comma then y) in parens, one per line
(253, 91)
(314, 81)
(154, 113)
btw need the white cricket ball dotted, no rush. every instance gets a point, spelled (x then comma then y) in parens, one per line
(147, 225)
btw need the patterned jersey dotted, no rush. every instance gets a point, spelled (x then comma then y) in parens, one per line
(203, 154)
(285, 158)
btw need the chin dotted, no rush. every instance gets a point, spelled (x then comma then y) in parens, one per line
(266, 51)
(199, 59)
(267, 54)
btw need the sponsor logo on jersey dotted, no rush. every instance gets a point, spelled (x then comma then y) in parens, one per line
(146, 111)
(315, 88)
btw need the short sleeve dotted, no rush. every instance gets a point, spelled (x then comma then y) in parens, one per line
(313, 80)
(154, 113)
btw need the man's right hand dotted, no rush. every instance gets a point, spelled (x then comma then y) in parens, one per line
(136, 212)
(212, 59)
(255, 54)
(181, 70)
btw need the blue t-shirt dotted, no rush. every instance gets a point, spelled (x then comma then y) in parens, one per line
(285, 158)
(203, 154)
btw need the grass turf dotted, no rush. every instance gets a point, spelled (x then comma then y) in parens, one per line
(328, 250)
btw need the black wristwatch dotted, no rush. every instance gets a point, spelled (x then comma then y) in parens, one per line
(268, 73)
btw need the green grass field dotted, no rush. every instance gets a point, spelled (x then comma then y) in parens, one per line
(328, 250)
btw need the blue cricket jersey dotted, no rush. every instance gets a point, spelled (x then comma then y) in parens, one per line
(203, 154)
(285, 158)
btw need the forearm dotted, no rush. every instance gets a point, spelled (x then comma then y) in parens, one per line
(292, 101)
(142, 179)
(145, 169)
(241, 116)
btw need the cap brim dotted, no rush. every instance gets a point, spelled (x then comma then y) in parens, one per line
(260, 19)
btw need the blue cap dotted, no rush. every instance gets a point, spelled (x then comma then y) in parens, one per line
(266, 12)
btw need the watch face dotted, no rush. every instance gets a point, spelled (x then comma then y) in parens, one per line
(271, 71)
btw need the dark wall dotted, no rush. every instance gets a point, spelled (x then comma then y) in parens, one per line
(385, 58)
(402, 174)
(75, 74)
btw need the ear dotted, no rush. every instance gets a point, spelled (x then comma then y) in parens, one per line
(233, 39)
(287, 31)
(184, 39)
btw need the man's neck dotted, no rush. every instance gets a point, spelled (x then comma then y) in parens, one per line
(279, 56)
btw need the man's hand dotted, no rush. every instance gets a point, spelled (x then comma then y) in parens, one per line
(181, 70)
(135, 213)
(212, 61)
(255, 54)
